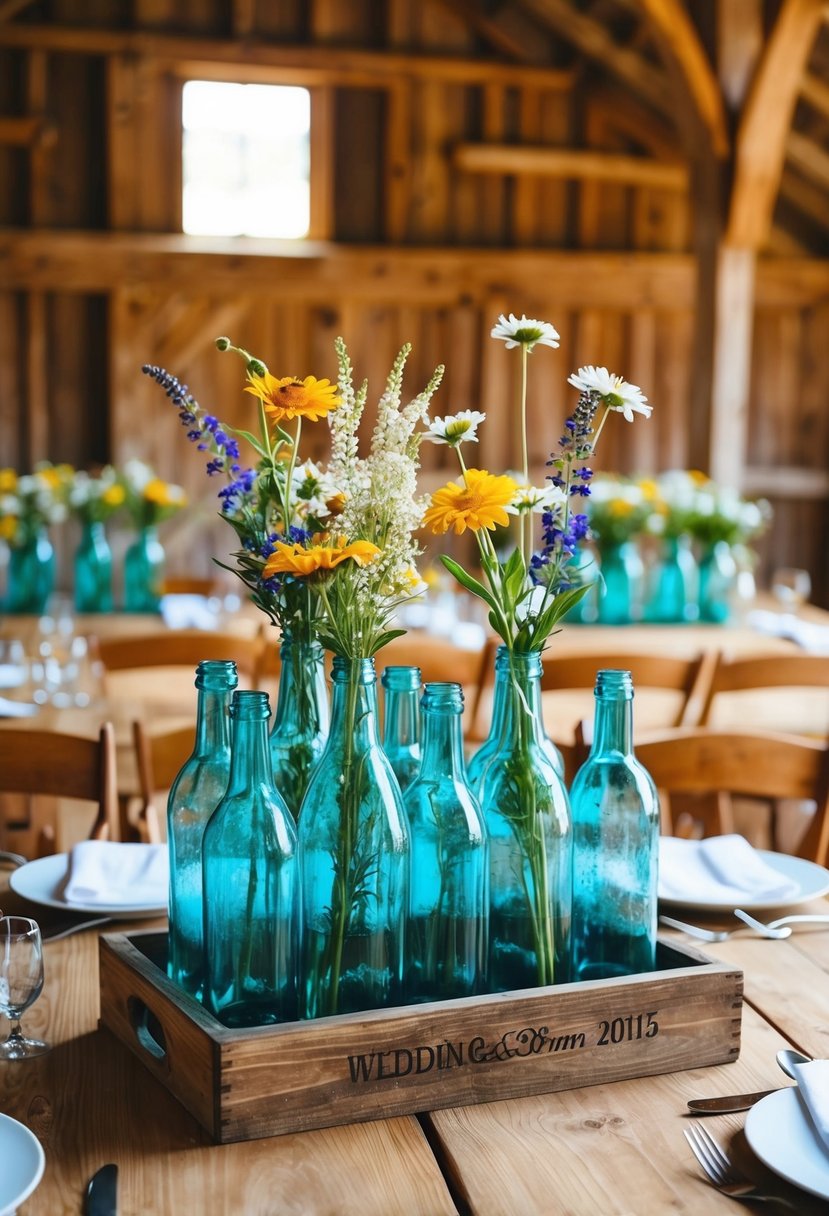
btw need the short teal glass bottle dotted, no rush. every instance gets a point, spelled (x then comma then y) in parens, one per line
(194, 796)
(144, 572)
(673, 584)
(527, 815)
(717, 582)
(251, 884)
(615, 844)
(401, 722)
(354, 854)
(501, 696)
(621, 586)
(31, 575)
(300, 721)
(448, 930)
(93, 570)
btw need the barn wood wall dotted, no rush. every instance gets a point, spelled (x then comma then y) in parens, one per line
(412, 244)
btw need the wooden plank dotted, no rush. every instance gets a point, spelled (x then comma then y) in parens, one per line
(486, 28)
(257, 61)
(765, 123)
(810, 200)
(492, 194)
(321, 220)
(95, 262)
(816, 92)
(677, 36)
(10, 8)
(37, 96)
(122, 104)
(243, 18)
(569, 162)
(20, 132)
(37, 364)
(398, 162)
(740, 36)
(785, 481)
(811, 160)
(11, 391)
(524, 227)
(731, 380)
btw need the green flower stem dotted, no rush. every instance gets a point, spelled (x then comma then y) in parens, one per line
(342, 902)
(525, 531)
(290, 473)
(489, 562)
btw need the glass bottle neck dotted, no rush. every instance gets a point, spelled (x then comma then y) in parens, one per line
(250, 764)
(212, 722)
(613, 725)
(522, 692)
(354, 703)
(402, 721)
(301, 665)
(442, 744)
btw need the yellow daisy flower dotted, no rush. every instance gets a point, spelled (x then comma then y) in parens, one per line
(8, 527)
(292, 398)
(302, 562)
(164, 494)
(479, 503)
(113, 495)
(8, 481)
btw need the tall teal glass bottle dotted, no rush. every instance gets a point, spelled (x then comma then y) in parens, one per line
(527, 816)
(354, 854)
(31, 574)
(251, 884)
(616, 838)
(144, 564)
(621, 587)
(673, 584)
(500, 698)
(193, 798)
(93, 570)
(300, 721)
(448, 931)
(401, 722)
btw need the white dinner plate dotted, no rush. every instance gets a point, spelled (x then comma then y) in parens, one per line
(812, 879)
(23, 1164)
(782, 1135)
(41, 882)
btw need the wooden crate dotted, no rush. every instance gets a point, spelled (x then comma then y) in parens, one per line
(242, 1084)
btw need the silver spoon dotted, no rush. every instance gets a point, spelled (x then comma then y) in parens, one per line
(789, 1056)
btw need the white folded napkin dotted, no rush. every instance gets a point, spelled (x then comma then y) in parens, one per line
(813, 1084)
(718, 870)
(108, 874)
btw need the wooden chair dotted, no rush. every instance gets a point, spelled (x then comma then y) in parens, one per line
(178, 648)
(688, 678)
(158, 760)
(761, 765)
(782, 673)
(55, 765)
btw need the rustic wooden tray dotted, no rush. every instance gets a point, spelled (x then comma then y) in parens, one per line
(242, 1084)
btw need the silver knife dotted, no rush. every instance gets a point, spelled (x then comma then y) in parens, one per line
(728, 1104)
(102, 1192)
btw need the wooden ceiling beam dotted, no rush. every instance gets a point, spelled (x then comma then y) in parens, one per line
(761, 140)
(570, 163)
(21, 132)
(485, 28)
(255, 60)
(816, 92)
(10, 8)
(809, 199)
(680, 43)
(810, 160)
(596, 42)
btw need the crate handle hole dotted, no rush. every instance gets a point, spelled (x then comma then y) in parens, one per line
(148, 1029)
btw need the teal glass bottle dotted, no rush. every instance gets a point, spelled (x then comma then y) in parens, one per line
(476, 766)
(144, 572)
(401, 722)
(448, 930)
(300, 721)
(621, 586)
(673, 584)
(354, 854)
(616, 839)
(717, 582)
(31, 575)
(194, 796)
(251, 884)
(93, 570)
(527, 815)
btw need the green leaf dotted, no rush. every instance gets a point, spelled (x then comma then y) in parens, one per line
(255, 443)
(470, 583)
(387, 637)
(514, 577)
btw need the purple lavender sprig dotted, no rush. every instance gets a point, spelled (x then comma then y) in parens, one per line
(209, 435)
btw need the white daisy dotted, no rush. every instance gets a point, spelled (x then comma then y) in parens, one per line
(454, 429)
(524, 332)
(537, 498)
(615, 392)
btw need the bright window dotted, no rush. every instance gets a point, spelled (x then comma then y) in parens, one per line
(246, 159)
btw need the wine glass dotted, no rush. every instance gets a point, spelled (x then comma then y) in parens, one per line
(21, 982)
(791, 587)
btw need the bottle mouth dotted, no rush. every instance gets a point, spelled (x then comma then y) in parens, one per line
(217, 675)
(442, 695)
(249, 706)
(611, 681)
(401, 678)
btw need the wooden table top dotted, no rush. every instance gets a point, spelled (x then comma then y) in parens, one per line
(612, 1148)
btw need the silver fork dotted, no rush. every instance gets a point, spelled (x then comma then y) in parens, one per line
(716, 1164)
(774, 930)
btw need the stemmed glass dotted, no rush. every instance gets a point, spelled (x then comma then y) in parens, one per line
(791, 587)
(21, 982)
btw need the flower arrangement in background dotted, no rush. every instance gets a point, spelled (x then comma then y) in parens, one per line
(31, 502)
(619, 508)
(93, 499)
(147, 498)
(529, 592)
(720, 514)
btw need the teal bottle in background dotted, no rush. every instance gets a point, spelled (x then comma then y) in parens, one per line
(476, 767)
(448, 930)
(615, 812)
(31, 575)
(354, 854)
(194, 796)
(93, 570)
(401, 722)
(621, 586)
(144, 564)
(673, 584)
(251, 884)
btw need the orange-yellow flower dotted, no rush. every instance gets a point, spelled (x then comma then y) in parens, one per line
(479, 502)
(163, 494)
(292, 398)
(302, 562)
(8, 481)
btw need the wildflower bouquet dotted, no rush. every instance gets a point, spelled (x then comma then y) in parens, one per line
(92, 500)
(619, 509)
(719, 514)
(527, 594)
(148, 499)
(32, 502)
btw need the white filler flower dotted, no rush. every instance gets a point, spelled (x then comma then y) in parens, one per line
(454, 428)
(524, 332)
(615, 392)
